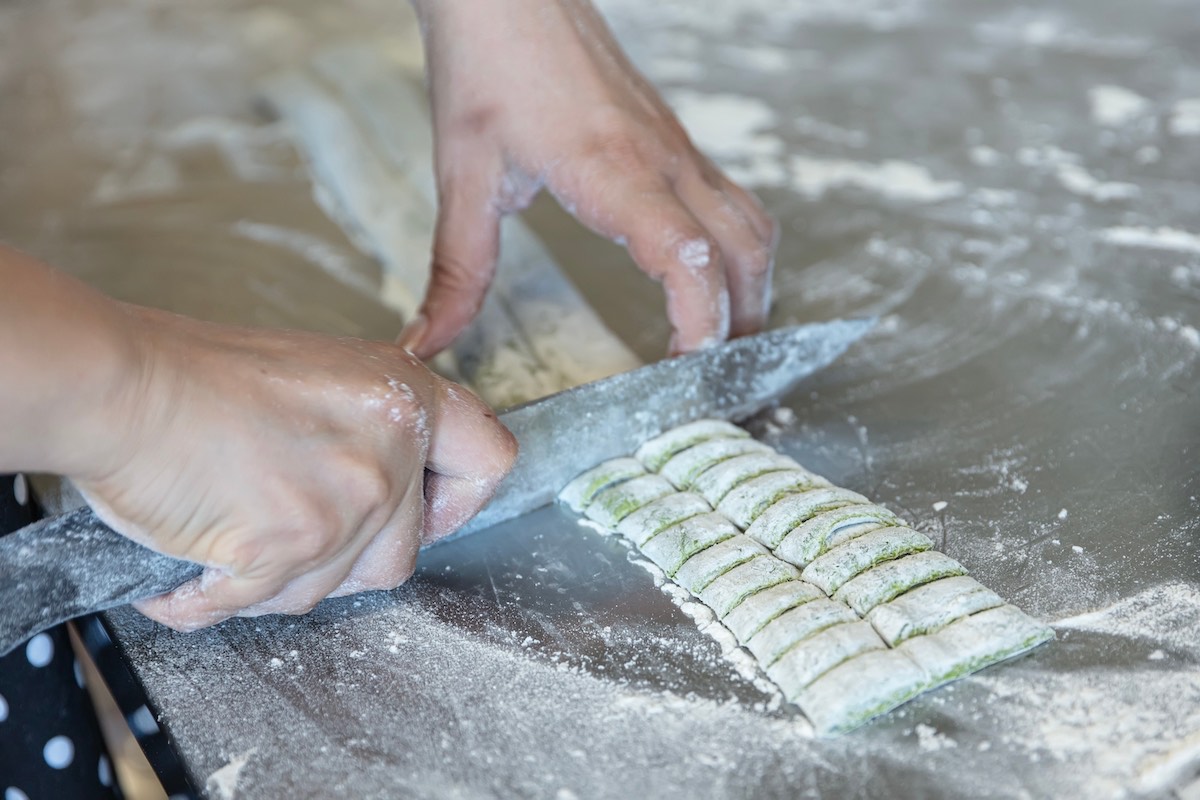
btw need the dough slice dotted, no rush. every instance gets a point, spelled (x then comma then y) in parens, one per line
(863, 687)
(706, 566)
(889, 580)
(713, 484)
(651, 520)
(795, 509)
(683, 468)
(826, 530)
(974, 642)
(835, 567)
(749, 617)
(748, 500)
(579, 493)
(796, 625)
(676, 544)
(813, 657)
(616, 503)
(656, 452)
(730, 589)
(931, 607)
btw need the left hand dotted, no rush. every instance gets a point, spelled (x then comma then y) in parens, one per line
(533, 93)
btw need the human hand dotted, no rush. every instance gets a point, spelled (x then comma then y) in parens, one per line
(533, 93)
(293, 466)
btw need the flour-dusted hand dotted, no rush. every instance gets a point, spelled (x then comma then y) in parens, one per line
(293, 466)
(536, 93)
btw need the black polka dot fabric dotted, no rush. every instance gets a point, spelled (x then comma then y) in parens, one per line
(50, 745)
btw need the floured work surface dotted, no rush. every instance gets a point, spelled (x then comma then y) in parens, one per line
(1028, 401)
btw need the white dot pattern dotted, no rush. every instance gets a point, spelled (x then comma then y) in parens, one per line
(104, 771)
(59, 752)
(3, 708)
(40, 650)
(13, 793)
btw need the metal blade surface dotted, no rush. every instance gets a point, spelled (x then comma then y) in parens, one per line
(74, 564)
(566, 433)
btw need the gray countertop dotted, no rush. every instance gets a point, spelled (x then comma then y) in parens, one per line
(1012, 190)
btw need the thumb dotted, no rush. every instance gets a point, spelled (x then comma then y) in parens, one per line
(469, 453)
(465, 246)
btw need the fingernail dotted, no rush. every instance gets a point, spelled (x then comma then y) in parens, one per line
(412, 334)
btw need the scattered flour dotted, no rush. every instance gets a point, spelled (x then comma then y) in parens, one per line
(223, 783)
(1185, 118)
(1161, 238)
(896, 180)
(1114, 106)
(940, 505)
(929, 739)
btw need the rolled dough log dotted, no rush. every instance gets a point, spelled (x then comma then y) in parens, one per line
(749, 617)
(579, 493)
(648, 521)
(975, 642)
(931, 607)
(659, 450)
(685, 467)
(713, 484)
(835, 567)
(861, 688)
(676, 544)
(707, 565)
(727, 591)
(795, 509)
(889, 580)
(814, 537)
(616, 503)
(816, 655)
(802, 622)
(747, 501)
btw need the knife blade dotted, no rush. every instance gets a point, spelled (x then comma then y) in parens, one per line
(73, 564)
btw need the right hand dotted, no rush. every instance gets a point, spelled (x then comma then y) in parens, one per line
(292, 466)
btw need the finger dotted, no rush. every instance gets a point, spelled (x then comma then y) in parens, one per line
(469, 454)
(465, 246)
(391, 557)
(668, 243)
(747, 249)
(211, 598)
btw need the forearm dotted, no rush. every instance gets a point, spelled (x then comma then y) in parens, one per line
(68, 356)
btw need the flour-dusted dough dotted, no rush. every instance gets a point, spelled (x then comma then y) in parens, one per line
(713, 484)
(795, 509)
(659, 450)
(706, 566)
(616, 503)
(747, 501)
(832, 569)
(676, 544)
(974, 642)
(761, 607)
(650, 520)
(579, 493)
(685, 467)
(862, 687)
(813, 657)
(888, 580)
(727, 591)
(815, 536)
(796, 625)
(931, 607)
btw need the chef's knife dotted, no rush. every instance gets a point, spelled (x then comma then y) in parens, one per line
(73, 564)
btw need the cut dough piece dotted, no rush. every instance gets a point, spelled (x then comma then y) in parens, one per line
(889, 580)
(760, 608)
(813, 657)
(708, 565)
(974, 642)
(684, 467)
(648, 521)
(795, 626)
(831, 570)
(826, 530)
(795, 509)
(931, 607)
(713, 484)
(761, 572)
(579, 493)
(747, 501)
(656, 452)
(675, 545)
(617, 502)
(862, 687)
